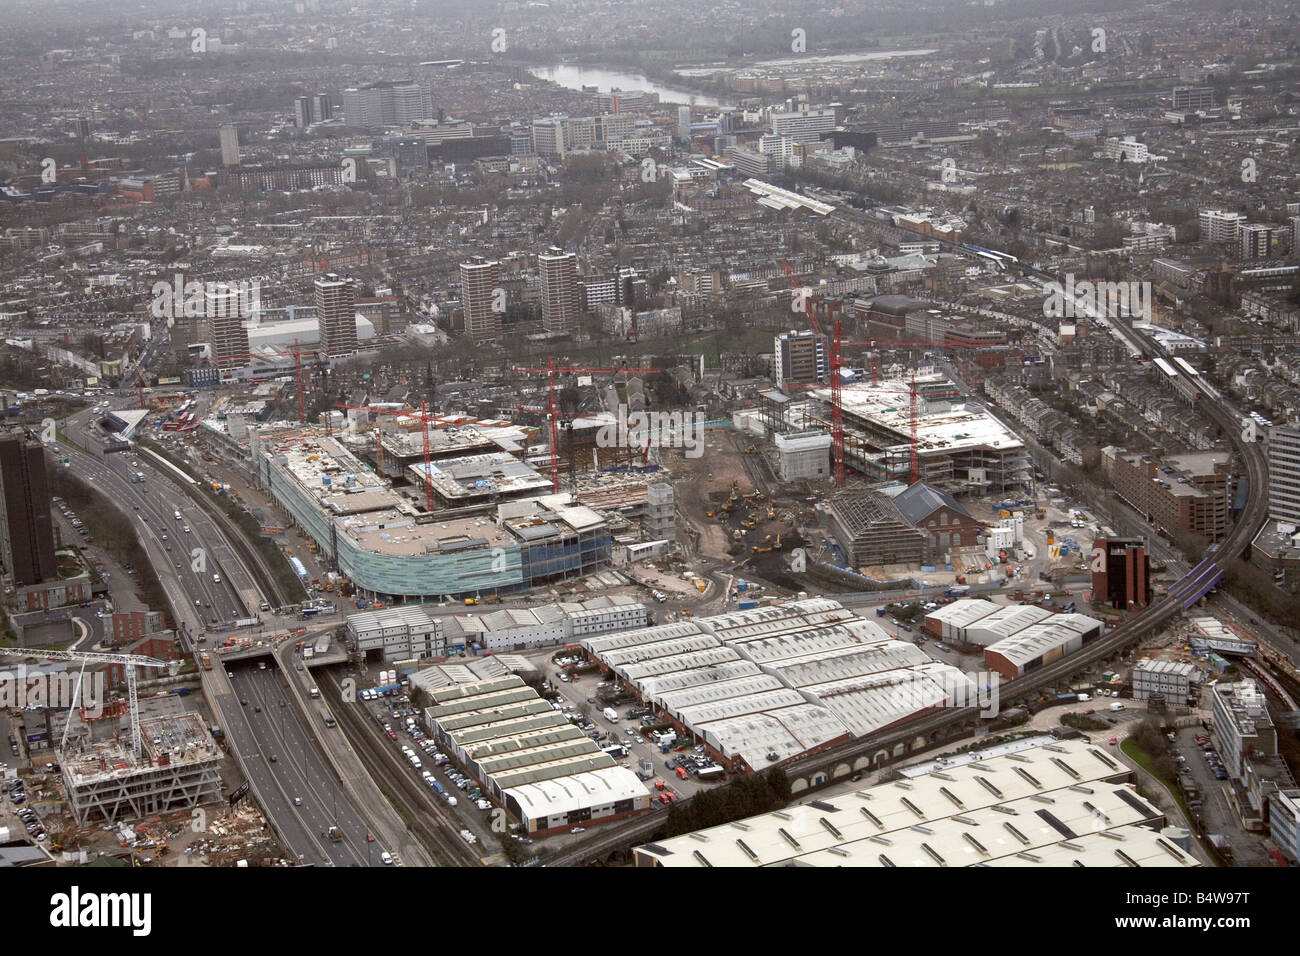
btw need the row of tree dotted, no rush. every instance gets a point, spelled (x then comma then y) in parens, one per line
(744, 797)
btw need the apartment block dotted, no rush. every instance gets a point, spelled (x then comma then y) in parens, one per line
(798, 357)
(559, 274)
(336, 314)
(1284, 473)
(1218, 225)
(1180, 494)
(224, 314)
(479, 282)
(26, 526)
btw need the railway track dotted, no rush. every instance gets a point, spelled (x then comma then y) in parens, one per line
(1186, 590)
(417, 805)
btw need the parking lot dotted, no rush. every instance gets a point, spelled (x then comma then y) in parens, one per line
(678, 769)
(19, 816)
(1212, 806)
(401, 723)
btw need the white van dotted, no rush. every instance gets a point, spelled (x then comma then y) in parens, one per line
(216, 579)
(1116, 706)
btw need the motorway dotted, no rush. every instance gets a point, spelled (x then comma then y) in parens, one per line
(155, 503)
(197, 602)
(300, 771)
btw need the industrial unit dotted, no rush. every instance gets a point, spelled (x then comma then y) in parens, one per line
(762, 686)
(545, 772)
(1038, 644)
(413, 631)
(1059, 804)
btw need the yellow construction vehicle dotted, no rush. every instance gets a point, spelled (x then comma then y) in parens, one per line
(750, 450)
(709, 513)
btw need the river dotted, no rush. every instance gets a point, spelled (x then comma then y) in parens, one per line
(576, 77)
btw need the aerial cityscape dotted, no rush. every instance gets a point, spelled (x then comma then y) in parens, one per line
(636, 433)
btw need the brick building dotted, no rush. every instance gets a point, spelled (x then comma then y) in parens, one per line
(1188, 494)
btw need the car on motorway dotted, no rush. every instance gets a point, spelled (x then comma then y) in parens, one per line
(273, 758)
(243, 703)
(257, 708)
(297, 801)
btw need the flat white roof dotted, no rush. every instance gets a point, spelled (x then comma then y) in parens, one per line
(963, 427)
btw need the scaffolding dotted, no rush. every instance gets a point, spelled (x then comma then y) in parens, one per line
(179, 766)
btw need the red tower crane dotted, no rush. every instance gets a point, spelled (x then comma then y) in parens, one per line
(836, 380)
(554, 424)
(297, 362)
(837, 409)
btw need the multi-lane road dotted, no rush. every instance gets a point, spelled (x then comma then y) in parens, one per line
(190, 546)
(299, 791)
(301, 782)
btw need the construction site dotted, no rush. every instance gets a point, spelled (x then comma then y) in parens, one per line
(178, 766)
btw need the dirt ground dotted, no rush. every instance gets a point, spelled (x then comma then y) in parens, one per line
(732, 482)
